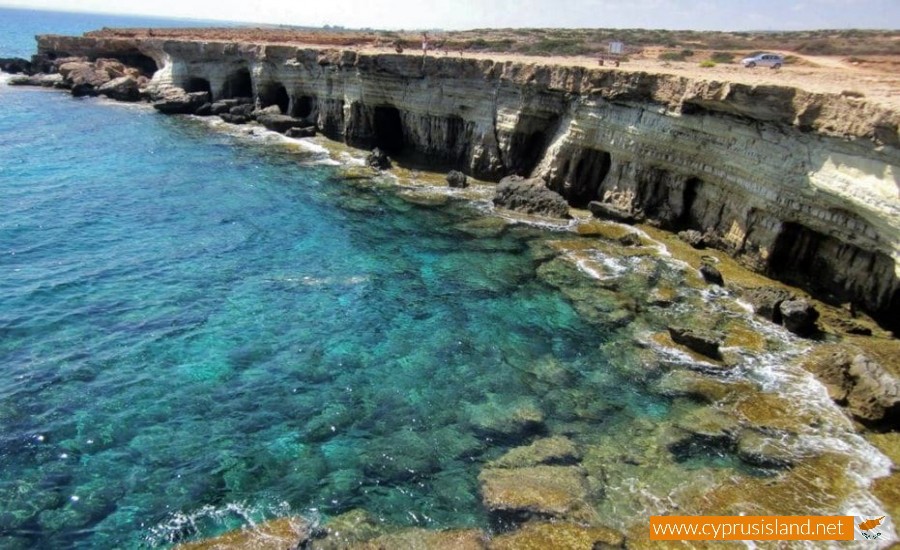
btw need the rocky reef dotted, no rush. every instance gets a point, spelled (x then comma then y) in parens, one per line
(800, 186)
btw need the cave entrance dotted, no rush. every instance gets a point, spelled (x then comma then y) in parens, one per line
(793, 255)
(139, 61)
(303, 107)
(530, 140)
(687, 202)
(588, 173)
(197, 84)
(275, 94)
(388, 129)
(238, 84)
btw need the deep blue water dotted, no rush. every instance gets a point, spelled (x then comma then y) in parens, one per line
(192, 325)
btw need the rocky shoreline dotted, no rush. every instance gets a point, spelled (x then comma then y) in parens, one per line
(542, 493)
(796, 185)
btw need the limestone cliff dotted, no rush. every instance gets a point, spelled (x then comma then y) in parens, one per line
(802, 186)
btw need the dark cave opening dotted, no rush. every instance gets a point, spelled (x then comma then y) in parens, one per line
(388, 126)
(139, 61)
(197, 84)
(529, 142)
(587, 176)
(793, 255)
(275, 94)
(303, 107)
(238, 84)
(685, 220)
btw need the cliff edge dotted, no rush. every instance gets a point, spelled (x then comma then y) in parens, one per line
(802, 186)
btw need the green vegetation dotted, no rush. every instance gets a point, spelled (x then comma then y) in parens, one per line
(671, 56)
(708, 64)
(722, 57)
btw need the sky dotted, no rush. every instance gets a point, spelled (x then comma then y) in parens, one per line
(469, 14)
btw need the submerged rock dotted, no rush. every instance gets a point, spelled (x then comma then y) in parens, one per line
(537, 491)
(530, 196)
(514, 420)
(557, 450)
(378, 159)
(799, 316)
(457, 179)
(704, 343)
(766, 451)
(569, 536)
(416, 538)
(277, 534)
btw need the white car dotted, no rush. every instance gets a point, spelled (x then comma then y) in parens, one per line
(771, 60)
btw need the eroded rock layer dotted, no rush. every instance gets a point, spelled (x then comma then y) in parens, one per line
(801, 186)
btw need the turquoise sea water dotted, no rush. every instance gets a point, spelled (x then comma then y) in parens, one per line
(195, 330)
(201, 329)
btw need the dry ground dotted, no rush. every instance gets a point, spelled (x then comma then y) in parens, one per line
(875, 76)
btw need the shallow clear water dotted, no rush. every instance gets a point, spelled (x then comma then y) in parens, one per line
(199, 329)
(190, 321)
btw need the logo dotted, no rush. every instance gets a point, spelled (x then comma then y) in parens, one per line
(868, 528)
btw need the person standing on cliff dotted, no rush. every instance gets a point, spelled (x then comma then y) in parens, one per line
(424, 44)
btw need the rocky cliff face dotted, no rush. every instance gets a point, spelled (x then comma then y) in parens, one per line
(802, 186)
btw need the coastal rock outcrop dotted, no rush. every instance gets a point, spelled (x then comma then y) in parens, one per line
(124, 88)
(702, 342)
(176, 101)
(457, 179)
(798, 185)
(530, 196)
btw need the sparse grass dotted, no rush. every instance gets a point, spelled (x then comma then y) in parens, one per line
(575, 41)
(708, 64)
(722, 57)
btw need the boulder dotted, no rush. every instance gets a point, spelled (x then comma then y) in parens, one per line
(222, 106)
(270, 110)
(204, 110)
(630, 239)
(305, 132)
(711, 275)
(457, 179)
(124, 88)
(766, 301)
(536, 492)
(243, 109)
(277, 123)
(530, 196)
(703, 343)
(176, 101)
(693, 238)
(378, 159)
(875, 395)
(84, 78)
(25, 80)
(799, 316)
(610, 212)
(234, 119)
(15, 65)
